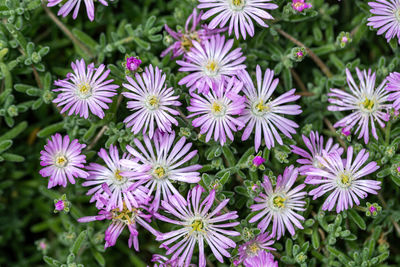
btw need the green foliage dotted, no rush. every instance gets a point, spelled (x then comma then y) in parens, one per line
(35, 51)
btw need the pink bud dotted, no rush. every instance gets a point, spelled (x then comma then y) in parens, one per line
(59, 205)
(133, 63)
(257, 161)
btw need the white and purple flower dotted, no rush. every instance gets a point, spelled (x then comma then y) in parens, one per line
(85, 89)
(265, 114)
(209, 62)
(62, 160)
(343, 178)
(151, 102)
(198, 225)
(216, 113)
(280, 205)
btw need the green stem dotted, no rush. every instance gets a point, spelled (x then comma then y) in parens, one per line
(387, 133)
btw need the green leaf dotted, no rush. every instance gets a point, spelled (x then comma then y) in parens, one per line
(14, 132)
(78, 242)
(50, 261)
(315, 239)
(51, 129)
(395, 179)
(4, 145)
(86, 39)
(353, 215)
(287, 78)
(229, 156)
(13, 157)
(99, 258)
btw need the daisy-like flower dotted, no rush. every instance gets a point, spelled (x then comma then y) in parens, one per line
(216, 111)
(165, 161)
(183, 40)
(199, 225)
(121, 219)
(393, 86)
(263, 113)
(69, 5)
(365, 101)
(239, 13)
(262, 259)
(151, 102)
(386, 18)
(86, 88)
(62, 160)
(210, 62)
(254, 247)
(162, 261)
(343, 177)
(110, 182)
(315, 145)
(279, 205)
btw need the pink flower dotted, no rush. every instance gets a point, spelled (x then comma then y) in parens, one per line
(133, 63)
(59, 205)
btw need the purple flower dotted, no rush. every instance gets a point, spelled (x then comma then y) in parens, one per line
(239, 13)
(133, 63)
(151, 102)
(110, 182)
(315, 145)
(385, 17)
(300, 5)
(210, 62)
(165, 161)
(346, 132)
(258, 160)
(279, 205)
(343, 178)
(215, 112)
(254, 247)
(199, 225)
(263, 113)
(364, 101)
(68, 5)
(393, 86)
(120, 219)
(63, 159)
(84, 90)
(184, 40)
(59, 205)
(263, 259)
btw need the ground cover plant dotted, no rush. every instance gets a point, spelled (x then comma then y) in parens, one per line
(199, 133)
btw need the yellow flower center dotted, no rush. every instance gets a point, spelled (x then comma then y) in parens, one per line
(84, 89)
(345, 179)
(153, 102)
(212, 67)
(126, 216)
(298, 4)
(218, 109)
(260, 107)
(118, 176)
(61, 161)
(279, 202)
(254, 248)
(368, 104)
(159, 172)
(238, 2)
(197, 226)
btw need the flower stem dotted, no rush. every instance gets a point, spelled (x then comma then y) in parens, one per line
(387, 133)
(313, 56)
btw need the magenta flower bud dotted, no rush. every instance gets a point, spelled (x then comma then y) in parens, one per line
(300, 5)
(344, 39)
(372, 209)
(43, 245)
(398, 169)
(258, 160)
(133, 63)
(346, 131)
(59, 205)
(254, 187)
(299, 54)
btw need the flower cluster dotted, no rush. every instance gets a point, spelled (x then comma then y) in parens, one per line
(158, 177)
